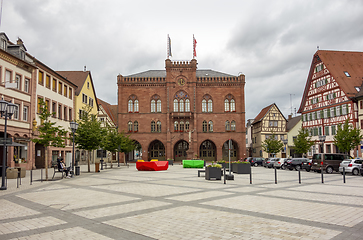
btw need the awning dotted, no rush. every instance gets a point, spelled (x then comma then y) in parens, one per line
(14, 144)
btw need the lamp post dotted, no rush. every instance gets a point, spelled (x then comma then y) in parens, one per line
(322, 140)
(285, 143)
(74, 127)
(7, 110)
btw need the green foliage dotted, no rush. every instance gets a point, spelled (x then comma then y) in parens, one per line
(347, 137)
(303, 142)
(89, 134)
(49, 134)
(272, 145)
(215, 165)
(114, 141)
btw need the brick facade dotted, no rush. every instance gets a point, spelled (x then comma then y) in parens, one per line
(184, 82)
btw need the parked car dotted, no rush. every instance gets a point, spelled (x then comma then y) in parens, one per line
(351, 166)
(270, 162)
(295, 163)
(256, 161)
(330, 161)
(307, 165)
(279, 163)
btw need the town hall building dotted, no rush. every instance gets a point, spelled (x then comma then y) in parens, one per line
(182, 113)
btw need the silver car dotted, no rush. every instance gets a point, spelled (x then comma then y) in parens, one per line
(279, 163)
(351, 166)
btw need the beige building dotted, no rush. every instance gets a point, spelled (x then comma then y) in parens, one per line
(294, 124)
(270, 120)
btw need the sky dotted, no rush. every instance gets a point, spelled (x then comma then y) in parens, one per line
(271, 42)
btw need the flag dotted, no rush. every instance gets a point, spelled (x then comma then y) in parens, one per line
(169, 47)
(194, 47)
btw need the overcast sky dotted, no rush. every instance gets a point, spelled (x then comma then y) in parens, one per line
(271, 42)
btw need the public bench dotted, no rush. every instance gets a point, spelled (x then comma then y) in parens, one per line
(193, 163)
(152, 166)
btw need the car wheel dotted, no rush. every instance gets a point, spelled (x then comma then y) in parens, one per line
(307, 169)
(329, 170)
(297, 167)
(355, 171)
(290, 169)
(256, 164)
(283, 167)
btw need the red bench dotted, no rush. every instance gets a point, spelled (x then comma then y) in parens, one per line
(152, 166)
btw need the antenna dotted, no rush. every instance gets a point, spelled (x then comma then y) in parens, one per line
(291, 102)
(317, 47)
(1, 11)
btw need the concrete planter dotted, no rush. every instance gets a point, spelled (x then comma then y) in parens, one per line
(213, 173)
(241, 168)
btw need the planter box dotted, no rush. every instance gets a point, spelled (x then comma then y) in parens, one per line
(213, 173)
(171, 162)
(224, 165)
(193, 163)
(241, 168)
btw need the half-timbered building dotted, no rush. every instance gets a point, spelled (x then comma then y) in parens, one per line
(268, 122)
(328, 100)
(183, 112)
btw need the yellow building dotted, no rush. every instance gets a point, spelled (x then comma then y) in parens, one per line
(85, 98)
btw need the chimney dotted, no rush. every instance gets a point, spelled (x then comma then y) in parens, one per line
(84, 69)
(19, 41)
(289, 117)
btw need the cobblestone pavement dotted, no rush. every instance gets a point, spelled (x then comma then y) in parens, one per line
(123, 203)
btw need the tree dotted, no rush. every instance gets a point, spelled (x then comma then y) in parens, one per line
(303, 142)
(347, 137)
(114, 141)
(49, 134)
(89, 134)
(272, 145)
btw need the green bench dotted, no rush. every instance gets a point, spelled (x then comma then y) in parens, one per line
(193, 163)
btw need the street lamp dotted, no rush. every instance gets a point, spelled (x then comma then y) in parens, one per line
(74, 127)
(285, 142)
(322, 140)
(7, 110)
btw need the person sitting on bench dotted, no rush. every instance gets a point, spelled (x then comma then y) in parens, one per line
(62, 165)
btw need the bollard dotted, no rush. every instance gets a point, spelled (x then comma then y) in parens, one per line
(41, 175)
(17, 182)
(343, 174)
(31, 176)
(251, 177)
(299, 177)
(224, 172)
(322, 172)
(275, 176)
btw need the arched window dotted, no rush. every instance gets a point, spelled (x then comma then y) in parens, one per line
(187, 125)
(152, 106)
(176, 108)
(210, 105)
(182, 126)
(204, 105)
(187, 105)
(130, 106)
(233, 106)
(181, 105)
(226, 105)
(136, 106)
(210, 126)
(176, 126)
(129, 126)
(158, 126)
(228, 128)
(136, 126)
(152, 126)
(205, 126)
(233, 126)
(158, 106)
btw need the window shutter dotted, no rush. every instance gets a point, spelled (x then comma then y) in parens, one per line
(335, 112)
(346, 108)
(315, 85)
(334, 95)
(326, 81)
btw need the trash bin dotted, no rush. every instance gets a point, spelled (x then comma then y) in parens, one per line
(101, 161)
(97, 167)
(78, 170)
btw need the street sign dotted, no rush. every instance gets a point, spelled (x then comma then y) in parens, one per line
(8, 141)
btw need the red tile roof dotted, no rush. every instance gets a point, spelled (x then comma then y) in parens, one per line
(109, 110)
(77, 77)
(262, 114)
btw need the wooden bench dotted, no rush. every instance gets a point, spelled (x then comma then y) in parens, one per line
(58, 170)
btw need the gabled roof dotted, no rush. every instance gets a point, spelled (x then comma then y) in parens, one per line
(338, 62)
(262, 114)
(162, 74)
(292, 122)
(77, 77)
(108, 109)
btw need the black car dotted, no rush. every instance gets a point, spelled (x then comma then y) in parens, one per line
(307, 165)
(295, 163)
(256, 161)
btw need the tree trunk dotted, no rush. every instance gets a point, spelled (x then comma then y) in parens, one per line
(88, 161)
(46, 162)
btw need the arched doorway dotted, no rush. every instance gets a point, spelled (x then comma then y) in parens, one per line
(234, 151)
(156, 150)
(180, 150)
(207, 151)
(135, 154)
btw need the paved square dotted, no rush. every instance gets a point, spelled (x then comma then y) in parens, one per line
(123, 203)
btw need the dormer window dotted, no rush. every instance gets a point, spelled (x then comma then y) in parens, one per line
(3, 44)
(357, 88)
(347, 74)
